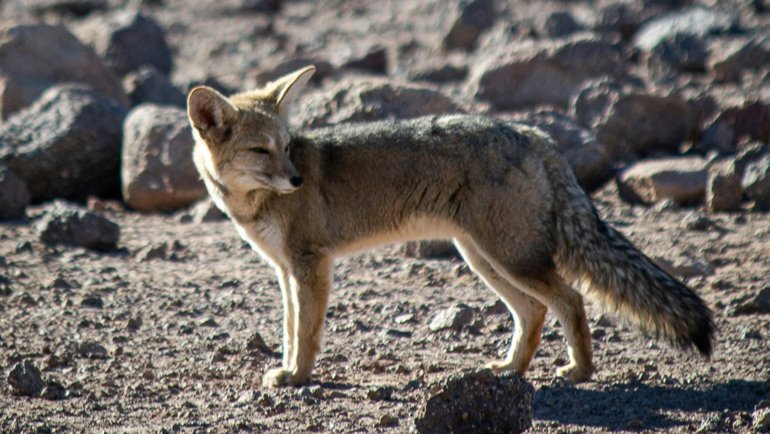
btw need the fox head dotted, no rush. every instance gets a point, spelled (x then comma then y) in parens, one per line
(242, 142)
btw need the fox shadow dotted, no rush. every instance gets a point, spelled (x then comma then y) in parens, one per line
(613, 408)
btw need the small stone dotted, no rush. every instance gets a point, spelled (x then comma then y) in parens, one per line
(256, 342)
(375, 60)
(453, 318)
(388, 420)
(380, 393)
(756, 182)
(474, 17)
(210, 322)
(25, 380)
(93, 301)
(134, 323)
(53, 391)
(560, 24)
(92, 350)
(153, 251)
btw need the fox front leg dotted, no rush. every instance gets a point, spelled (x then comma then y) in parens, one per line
(305, 305)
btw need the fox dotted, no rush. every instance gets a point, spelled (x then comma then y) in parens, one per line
(500, 190)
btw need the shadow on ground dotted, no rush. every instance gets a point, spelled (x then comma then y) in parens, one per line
(614, 407)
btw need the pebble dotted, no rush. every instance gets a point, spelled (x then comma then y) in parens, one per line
(25, 379)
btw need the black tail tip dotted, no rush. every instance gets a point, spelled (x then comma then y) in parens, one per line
(703, 337)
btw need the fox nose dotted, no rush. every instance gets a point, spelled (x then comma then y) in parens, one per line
(296, 181)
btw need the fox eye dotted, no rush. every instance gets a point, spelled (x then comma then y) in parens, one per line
(259, 150)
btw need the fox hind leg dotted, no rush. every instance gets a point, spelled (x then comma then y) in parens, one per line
(528, 313)
(545, 285)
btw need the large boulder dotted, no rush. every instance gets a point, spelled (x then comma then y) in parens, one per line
(590, 159)
(14, 196)
(680, 179)
(35, 57)
(632, 122)
(360, 100)
(544, 72)
(736, 124)
(148, 85)
(127, 41)
(157, 171)
(66, 145)
(475, 402)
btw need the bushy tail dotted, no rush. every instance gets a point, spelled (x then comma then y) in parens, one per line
(616, 273)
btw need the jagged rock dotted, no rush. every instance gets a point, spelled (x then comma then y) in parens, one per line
(750, 121)
(127, 40)
(477, 401)
(14, 196)
(64, 223)
(681, 179)
(544, 73)
(66, 145)
(158, 173)
(368, 99)
(35, 57)
(148, 85)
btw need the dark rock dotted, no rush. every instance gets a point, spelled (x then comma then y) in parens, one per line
(14, 196)
(431, 249)
(134, 323)
(93, 301)
(25, 380)
(641, 124)
(374, 60)
(148, 85)
(53, 391)
(544, 73)
(476, 402)
(590, 159)
(473, 17)
(77, 8)
(696, 21)
(623, 18)
(453, 318)
(756, 182)
(560, 24)
(92, 350)
(152, 252)
(35, 57)
(731, 58)
(680, 52)
(681, 179)
(157, 172)
(380, 393)
(256, 343)
(751, 121)
(368, 99)
(439, 73)
(260, 5)
(66, 145)
(723, 188)
(127, 41)
(64, 223)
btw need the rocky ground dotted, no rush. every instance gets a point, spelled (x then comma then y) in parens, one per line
(132, 307)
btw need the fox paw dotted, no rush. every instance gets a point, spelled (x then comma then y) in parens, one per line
(280, 377)
(574, 373)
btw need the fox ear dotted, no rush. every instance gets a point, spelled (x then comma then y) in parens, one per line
(287, 88)
(209, 109)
